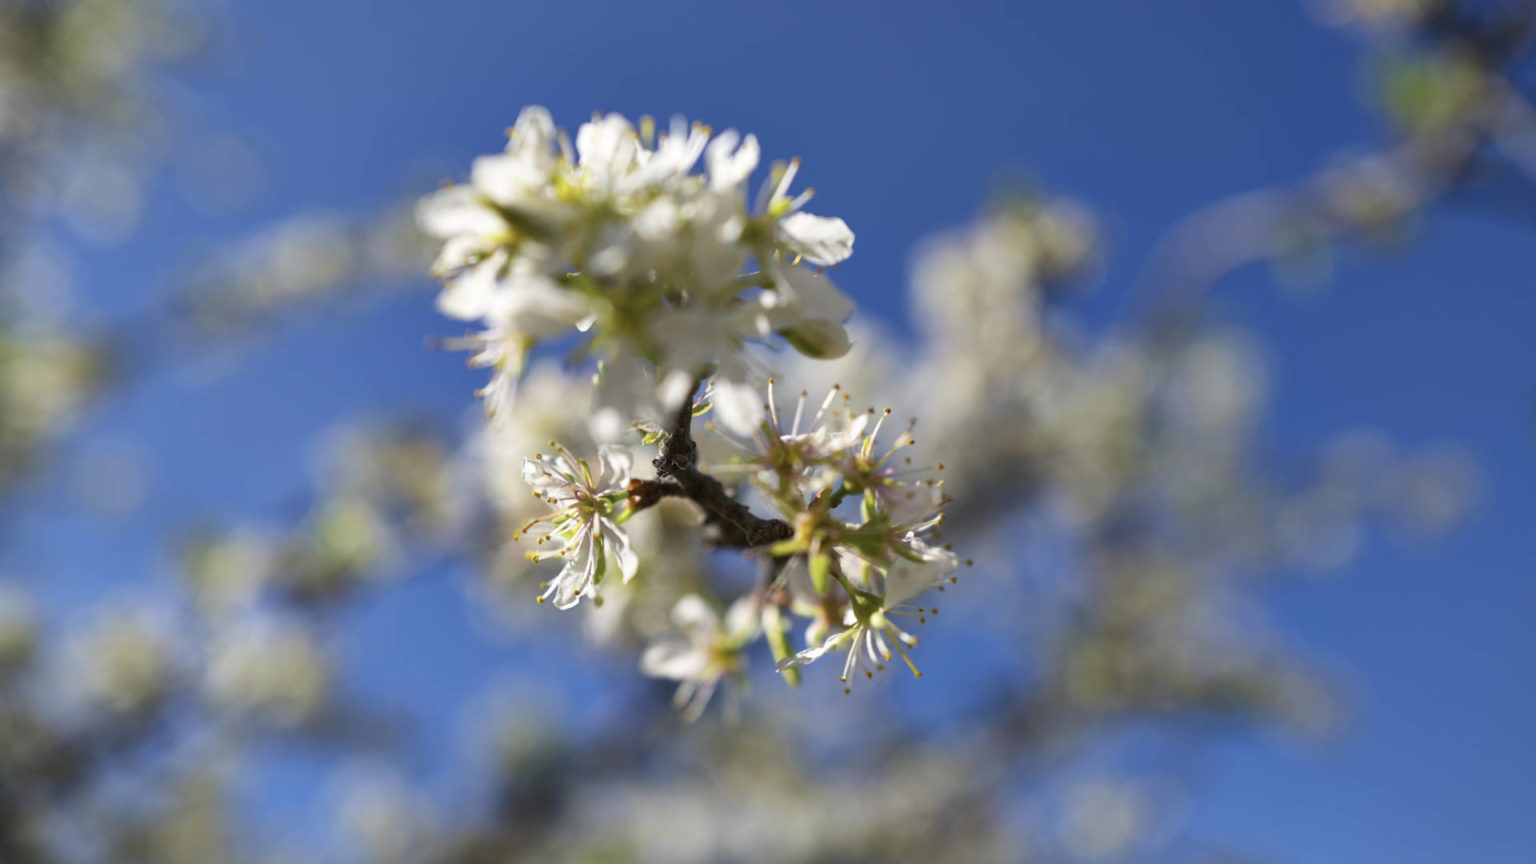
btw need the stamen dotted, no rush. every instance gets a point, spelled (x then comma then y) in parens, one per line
(788, 177)
(910, 664)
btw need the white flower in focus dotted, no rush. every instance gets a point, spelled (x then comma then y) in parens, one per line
(895, 490)
(870, 632)
(583, 520)
(706, 650)
(795, 448)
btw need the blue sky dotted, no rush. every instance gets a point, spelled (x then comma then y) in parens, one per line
(906, 118)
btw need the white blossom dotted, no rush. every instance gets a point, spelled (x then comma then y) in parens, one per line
(582, 522)
(705, 650)
(617, 240)
(870, 631)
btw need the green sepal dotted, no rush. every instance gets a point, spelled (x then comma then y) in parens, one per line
(792, 546)
(821, 571)
(776, 629)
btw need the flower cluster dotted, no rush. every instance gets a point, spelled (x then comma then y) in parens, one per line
(665, 273)
(666, 276)
(858, 543)
(866, 527)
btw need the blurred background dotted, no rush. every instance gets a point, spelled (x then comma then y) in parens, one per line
(1215, 311)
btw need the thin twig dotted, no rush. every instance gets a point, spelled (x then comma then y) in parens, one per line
(730, 522)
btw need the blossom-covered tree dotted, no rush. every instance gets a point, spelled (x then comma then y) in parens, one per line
(698, 463)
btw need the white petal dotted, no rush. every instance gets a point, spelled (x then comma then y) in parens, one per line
(576, 576)
(823, 241)
(674, 658)
(500, 393)
(614, 464)
(743, 619)
(611, 251)
(738, 405)
(507, 179)
(907, 579)
(675, 386)
(677, 152)
(615, 401)
(459, 252)
(533, 133)
(536, 306)
(470, 295)
(818, 338)
(608, 147)
(811, 655)
(729, 165)
(657, 223)
(619, 550)
(693, 614)
(458, 210)
(811, 294)
(910, 503)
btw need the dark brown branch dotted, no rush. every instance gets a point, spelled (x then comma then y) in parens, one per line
(729, 522)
